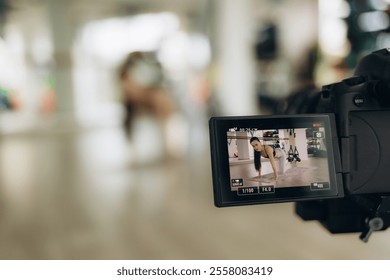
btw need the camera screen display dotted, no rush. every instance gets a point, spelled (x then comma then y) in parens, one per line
(274, 159)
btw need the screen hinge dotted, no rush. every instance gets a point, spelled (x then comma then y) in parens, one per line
(345, 154)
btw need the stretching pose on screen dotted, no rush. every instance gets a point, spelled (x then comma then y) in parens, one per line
(270, 152)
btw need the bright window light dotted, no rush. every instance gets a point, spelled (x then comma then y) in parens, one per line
(112, 39)
(373, 21)
(42, 49)
(332, 27)
(334, 8)
(380, 5)
(182, 50)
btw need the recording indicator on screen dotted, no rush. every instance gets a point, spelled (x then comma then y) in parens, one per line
(248, 191)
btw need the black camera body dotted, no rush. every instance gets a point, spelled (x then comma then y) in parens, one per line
(357, 150)
(362, 109)
(363, 133)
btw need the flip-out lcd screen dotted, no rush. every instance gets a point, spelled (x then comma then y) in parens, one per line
(274, 159)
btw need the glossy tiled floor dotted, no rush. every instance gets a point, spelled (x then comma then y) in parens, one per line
(79, 195)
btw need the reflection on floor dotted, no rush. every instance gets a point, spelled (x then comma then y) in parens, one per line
(77, 195)
(299, 174)
(302, 173)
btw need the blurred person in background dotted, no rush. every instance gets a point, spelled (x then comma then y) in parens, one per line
(141, 78)
(149, 109)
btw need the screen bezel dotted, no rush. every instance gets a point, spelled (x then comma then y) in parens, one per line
(224, 196)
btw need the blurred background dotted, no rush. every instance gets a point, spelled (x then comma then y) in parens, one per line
(104, 148)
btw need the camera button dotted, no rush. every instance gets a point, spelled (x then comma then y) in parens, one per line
(359, 100)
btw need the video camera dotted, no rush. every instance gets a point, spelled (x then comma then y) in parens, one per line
(331, 156)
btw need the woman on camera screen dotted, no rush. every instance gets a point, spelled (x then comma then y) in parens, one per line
(269, 152)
